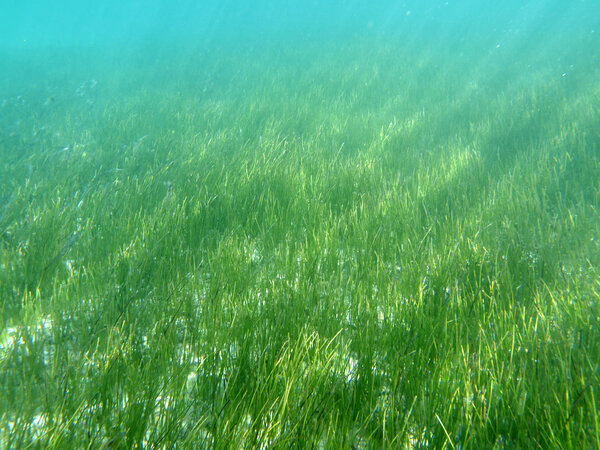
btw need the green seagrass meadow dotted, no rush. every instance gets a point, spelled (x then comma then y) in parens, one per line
(362, 246)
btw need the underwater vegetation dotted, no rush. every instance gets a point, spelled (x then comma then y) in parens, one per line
(364, 246)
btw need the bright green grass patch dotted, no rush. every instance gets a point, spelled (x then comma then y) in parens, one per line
(330, 253)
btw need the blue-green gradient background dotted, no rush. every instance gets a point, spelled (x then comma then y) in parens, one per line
(46, 42)
(564, 26)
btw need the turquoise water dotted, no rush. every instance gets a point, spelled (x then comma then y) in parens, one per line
(515, 25)
(49, 50)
